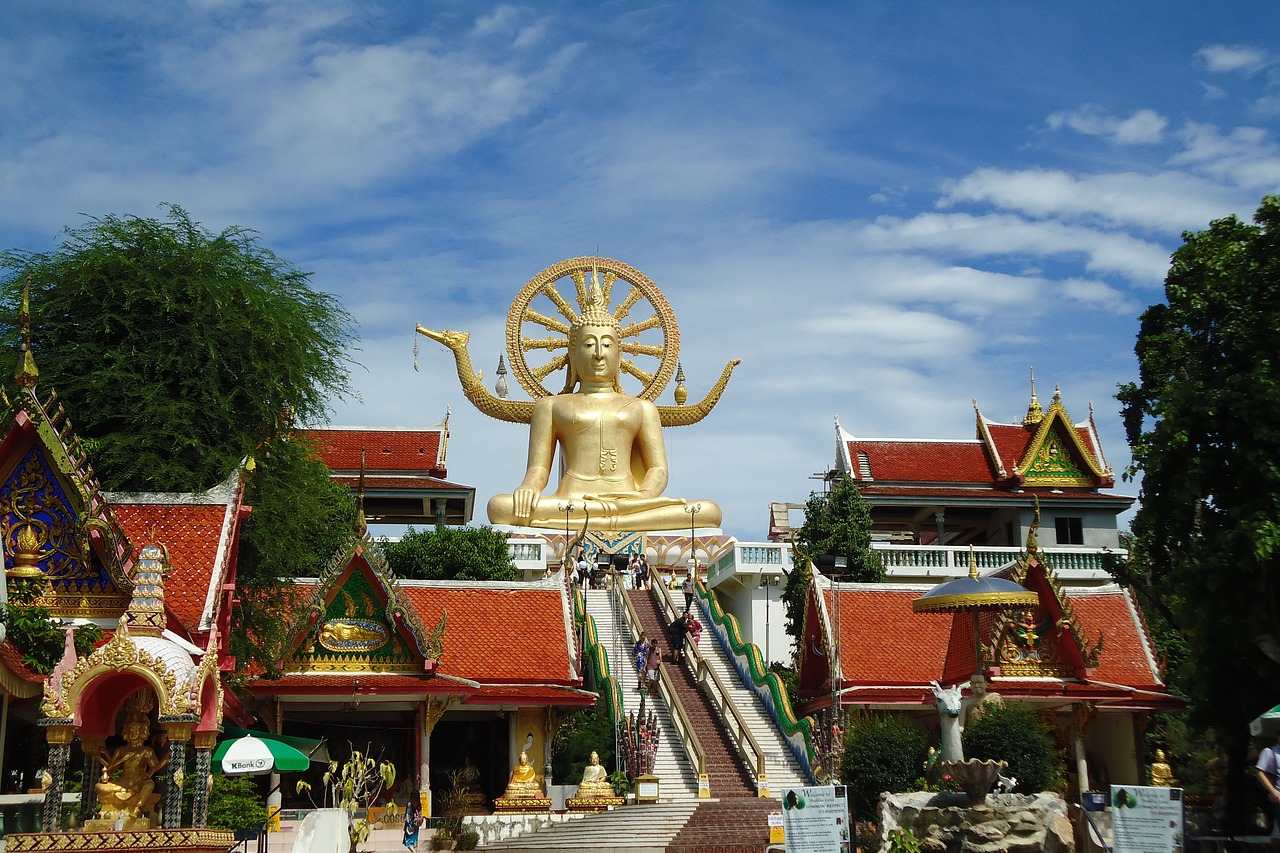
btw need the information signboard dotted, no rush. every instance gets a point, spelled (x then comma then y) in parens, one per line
(816, 820)
(1146, 820)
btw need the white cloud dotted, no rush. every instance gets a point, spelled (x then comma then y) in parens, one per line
(910, 335)
(1098, 294)
(1169, 200)
(1143, 127)
(1223, 58)
(994, 234)
(1246, 156)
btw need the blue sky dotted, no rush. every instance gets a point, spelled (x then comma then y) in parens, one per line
(884, 210)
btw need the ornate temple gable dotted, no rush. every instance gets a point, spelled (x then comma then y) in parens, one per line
(1058, 456)
(358, 621)
(814, 655)
(1048, 642)
(52, 505)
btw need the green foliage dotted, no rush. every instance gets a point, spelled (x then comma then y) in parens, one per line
(301, 519)
(176, 349)
(836, 522)
(903, 840)
(452, 553)
(578, 735)
(235, 804)
(440, 841)
(41, 637)
(621, 784)
(1204, 424)
(1015, 733)
(468, 839)
(882, 752)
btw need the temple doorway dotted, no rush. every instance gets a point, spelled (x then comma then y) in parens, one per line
(384, 734)
(479, 736)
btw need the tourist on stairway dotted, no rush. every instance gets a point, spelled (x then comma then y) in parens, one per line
(679, 627)
(688, 590)
(652, 663)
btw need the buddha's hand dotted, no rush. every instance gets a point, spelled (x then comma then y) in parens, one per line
(523, 500)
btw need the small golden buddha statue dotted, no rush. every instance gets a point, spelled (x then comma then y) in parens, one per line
(524, 781)
(595, 781)
(595, 793)
(1160, 774)
(132, 795)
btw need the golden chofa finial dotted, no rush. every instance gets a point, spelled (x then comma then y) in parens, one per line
(26, 373)
(681, 393)
(26, 553)
(1034, 413)
(973, 564)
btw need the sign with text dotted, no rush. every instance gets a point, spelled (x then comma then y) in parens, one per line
(816, 819)
(1146, 820)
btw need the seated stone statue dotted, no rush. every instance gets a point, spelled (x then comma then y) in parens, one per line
(614, 463)
(595, 782)
(132, 795)
(524, 781)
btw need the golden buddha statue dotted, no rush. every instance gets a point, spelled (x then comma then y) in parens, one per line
(132, 795)
(1160, 774)
(595, 793)
(524, 781)
(613, 461)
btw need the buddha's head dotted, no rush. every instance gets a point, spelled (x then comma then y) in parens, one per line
(136, 731)
(595, 343)
(595, 758)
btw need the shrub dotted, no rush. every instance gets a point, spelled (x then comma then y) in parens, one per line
(235, 804)
(440, 841)
(881, 753)
(1016, 734)
(469, 839)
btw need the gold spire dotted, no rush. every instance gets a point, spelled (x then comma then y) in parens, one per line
(362, 525)
(1034, 413)
(681, 392)
(973, 564)
(1033, 544)
(25, 374)
(27, 555)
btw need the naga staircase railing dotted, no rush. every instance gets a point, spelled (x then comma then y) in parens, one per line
(744, 742)
(667, 690)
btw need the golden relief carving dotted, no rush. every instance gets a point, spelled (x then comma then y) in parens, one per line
(613, 460)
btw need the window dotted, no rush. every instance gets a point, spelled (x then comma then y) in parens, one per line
(1070, 530)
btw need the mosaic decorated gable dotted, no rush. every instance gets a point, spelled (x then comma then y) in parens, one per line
(1029, 646)
(38, 514)
(1056, 456)
(1054, 462)
(353, 635)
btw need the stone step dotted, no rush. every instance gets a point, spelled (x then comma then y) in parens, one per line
(727, 776)
(624, 830)
(727, 826)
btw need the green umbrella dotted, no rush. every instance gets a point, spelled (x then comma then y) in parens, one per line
(1266, 723)
(252, 756)
(315, 749)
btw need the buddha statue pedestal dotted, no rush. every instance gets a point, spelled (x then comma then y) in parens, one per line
(595, 793)
(89, 841)
(524, 791)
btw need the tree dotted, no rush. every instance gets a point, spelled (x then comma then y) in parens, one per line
(452, 553)
(1204, 424)
(837, 523)
(178, 353)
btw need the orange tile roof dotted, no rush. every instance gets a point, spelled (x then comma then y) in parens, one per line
(923, 461)
(192, 534)
(884, 642)
(375, 482)
(407, 450)
(12, 659)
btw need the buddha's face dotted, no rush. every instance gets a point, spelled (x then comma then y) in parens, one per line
(595, 352)
(595, 759)
(135, 733)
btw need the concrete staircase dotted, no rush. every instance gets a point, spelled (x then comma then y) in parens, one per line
(632, 829)
(677, 780)
(727, 826)
(783, 769)
(727, 776)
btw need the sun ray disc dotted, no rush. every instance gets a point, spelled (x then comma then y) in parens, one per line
(625, 306)
(630, 367)
(636, 328)
(554, 295)
(541, 319)
(606, 287)
(580, 284)
(550, 367)
(527, 344)
(644, 349)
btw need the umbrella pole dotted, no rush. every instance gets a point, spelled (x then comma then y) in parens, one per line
(977, 644)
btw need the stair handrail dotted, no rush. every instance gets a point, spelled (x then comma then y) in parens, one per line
(667, 689)
(596, 659)
(791, 724)
(748, 748)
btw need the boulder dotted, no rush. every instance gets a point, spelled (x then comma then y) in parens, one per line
(1005, 823)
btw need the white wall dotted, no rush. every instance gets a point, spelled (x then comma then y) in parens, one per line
(1099, 527)
(761, 615)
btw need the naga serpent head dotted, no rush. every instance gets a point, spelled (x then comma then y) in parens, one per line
(454, 340)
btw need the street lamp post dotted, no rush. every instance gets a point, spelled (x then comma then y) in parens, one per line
(566, 508)
(693, 510)
(767, 583)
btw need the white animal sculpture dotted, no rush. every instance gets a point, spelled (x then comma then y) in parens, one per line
(1006, 784)
(948, 700)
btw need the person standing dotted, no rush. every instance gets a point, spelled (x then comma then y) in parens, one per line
(679, 627)
(584, 571)
(687, 587)
(1268, 769)
(652, 662)
(643, 570)
(412, 823)
(695, 629)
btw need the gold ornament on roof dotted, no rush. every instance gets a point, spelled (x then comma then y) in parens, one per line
(613, 460)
